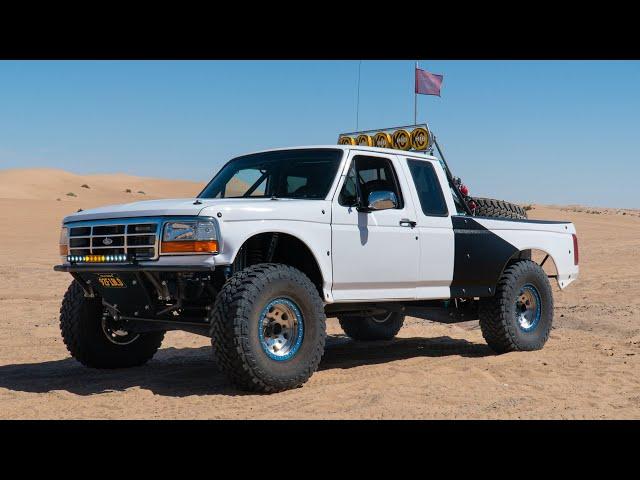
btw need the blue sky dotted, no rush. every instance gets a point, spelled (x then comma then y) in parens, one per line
(528, 131)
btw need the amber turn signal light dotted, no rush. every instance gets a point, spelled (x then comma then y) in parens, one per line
(192, 246)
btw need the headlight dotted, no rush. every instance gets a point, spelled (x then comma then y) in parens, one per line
(192, 236)
(64, 241)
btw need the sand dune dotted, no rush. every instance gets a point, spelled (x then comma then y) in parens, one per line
(53, 184)
(590, 368)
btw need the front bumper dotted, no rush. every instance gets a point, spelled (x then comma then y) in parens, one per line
(166, 263)
(132, 267)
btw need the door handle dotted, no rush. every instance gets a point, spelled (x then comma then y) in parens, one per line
(405, 222)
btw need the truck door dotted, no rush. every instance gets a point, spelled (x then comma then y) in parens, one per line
(374, 254)
(434, 227)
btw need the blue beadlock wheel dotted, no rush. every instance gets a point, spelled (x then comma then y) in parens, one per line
(280, 329)
(528, 308)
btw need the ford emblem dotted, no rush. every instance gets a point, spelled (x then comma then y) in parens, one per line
(107, 241)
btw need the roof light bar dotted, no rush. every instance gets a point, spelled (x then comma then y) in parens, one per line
(408, 137)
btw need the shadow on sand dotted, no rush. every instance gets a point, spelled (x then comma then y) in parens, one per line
(179, 372)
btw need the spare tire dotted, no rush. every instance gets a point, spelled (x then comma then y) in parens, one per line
(490, 207)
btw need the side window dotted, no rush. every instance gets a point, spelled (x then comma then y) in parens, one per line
(349, 194)
(428, 188)
(366, 175)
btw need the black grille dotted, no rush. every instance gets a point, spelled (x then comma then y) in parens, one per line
(139, 240)
(109, 230)
(78, 231)
(142, 228)
(142, 240)
(105, 242)
(79, 242)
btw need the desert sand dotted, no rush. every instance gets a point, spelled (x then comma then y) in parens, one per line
(590, 368)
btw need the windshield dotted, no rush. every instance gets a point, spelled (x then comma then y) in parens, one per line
(304, 173)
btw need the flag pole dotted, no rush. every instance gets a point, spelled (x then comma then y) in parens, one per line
(358, 101)
(415, 97)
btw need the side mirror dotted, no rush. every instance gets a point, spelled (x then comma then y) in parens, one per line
(381, 200)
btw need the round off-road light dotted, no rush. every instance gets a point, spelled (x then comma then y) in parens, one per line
(421, 138)
(383, 140)
(346, 141)
(364, 140)
(402, 139)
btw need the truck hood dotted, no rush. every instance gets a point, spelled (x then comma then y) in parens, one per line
(230, 209)
(147, 208)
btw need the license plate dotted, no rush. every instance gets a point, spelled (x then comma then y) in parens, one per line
(110, 280)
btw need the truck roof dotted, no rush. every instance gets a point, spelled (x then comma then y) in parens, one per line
(392, 151)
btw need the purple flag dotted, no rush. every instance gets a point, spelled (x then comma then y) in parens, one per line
(428, 83)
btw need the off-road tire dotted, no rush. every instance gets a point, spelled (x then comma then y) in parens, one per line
(489, 207)
(235, 325)
(82, 333)
(498, 318)
(366, 328)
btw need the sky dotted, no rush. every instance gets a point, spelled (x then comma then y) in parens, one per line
(551, 132)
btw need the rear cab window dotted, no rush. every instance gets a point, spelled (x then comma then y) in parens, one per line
(428, 187)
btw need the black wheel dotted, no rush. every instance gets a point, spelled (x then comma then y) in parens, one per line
(519, 315)
(268, 328)
(489, 207)
(96, 340)
(376, 327)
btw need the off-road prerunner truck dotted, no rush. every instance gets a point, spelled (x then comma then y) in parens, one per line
(280, 239)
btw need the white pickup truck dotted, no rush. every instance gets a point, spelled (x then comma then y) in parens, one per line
(280, 239)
